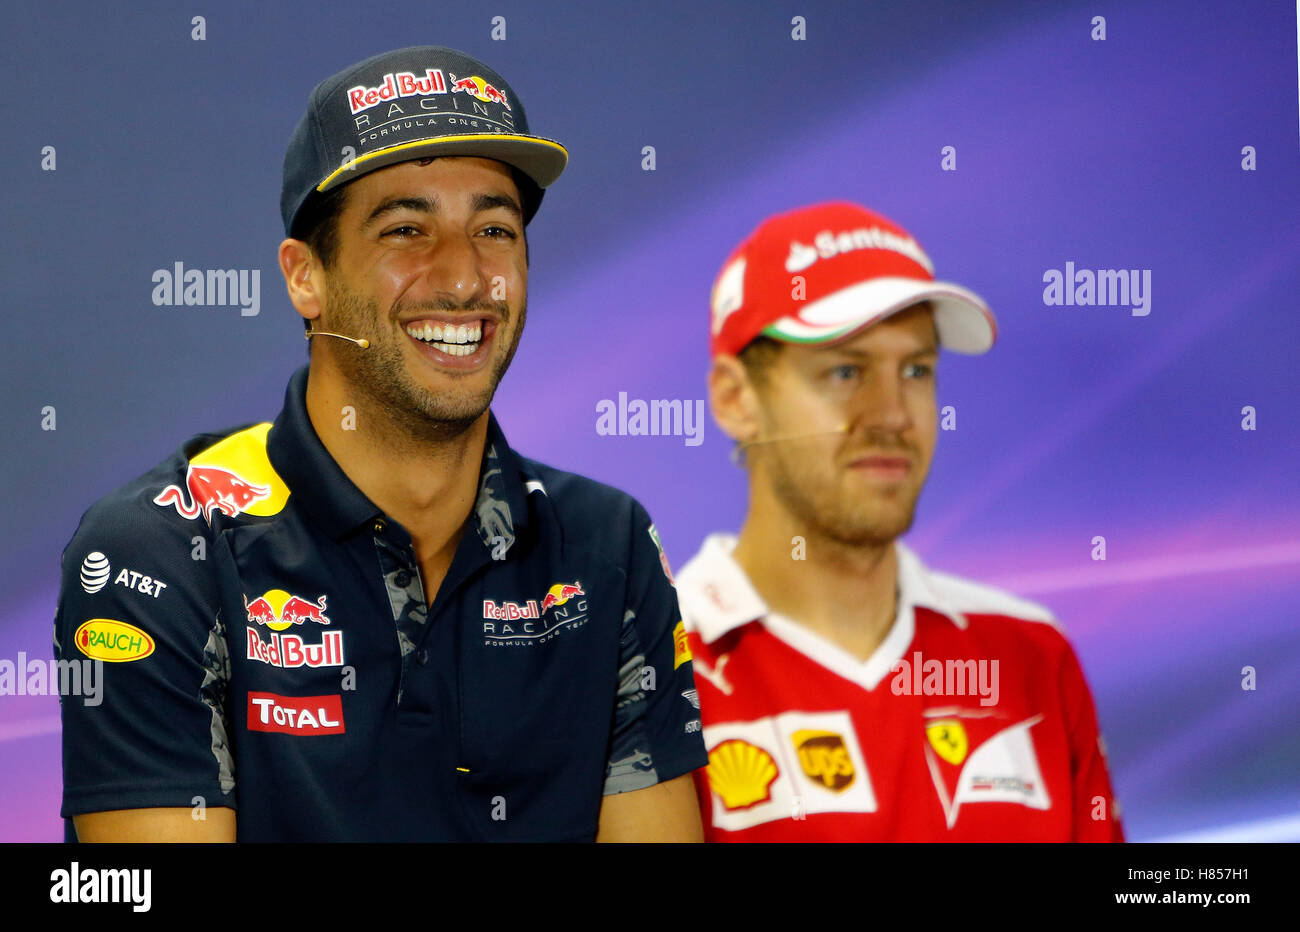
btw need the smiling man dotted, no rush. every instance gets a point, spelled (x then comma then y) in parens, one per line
(847, 692)
(372, 619)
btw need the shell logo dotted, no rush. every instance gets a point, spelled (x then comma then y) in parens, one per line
(741, 774)
(948, 738)
(112, 641)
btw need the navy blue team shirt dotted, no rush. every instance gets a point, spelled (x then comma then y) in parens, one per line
(268, 647)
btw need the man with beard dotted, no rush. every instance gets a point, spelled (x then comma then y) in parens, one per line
(847, 692)
(372, 619)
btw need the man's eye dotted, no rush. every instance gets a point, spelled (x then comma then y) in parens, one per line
(402, 231)
(500, 233)
(844, 373)
(918, 370)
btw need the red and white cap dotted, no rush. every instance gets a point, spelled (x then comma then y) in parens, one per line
(857, 268)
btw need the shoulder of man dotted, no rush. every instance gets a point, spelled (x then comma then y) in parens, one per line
(1028, 624)
(592, 515)
(976, 598)
(154, 521)
(139, 590)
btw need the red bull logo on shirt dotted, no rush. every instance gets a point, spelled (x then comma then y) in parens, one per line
(280, 610)
(559, 594)
(212, 488)
(529, 622)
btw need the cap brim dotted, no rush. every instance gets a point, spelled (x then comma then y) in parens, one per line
(964, 322)
(540, 159)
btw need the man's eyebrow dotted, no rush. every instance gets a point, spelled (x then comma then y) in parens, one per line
(394, 204)
(480, 204)
(484, 202)
(863, 354)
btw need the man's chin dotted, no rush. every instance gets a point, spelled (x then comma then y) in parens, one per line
(870, 530)
(455, 414)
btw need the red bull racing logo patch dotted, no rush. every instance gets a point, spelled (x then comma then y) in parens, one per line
(477, 87)
(534, 622)
(279, 610)
(211, 488)
(397, 84)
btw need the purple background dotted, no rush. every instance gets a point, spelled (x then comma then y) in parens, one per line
(1083, 421)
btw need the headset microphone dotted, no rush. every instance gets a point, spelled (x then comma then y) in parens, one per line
(325, 333)
(735, 453)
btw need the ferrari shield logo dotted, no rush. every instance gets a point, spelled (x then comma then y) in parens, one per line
(948, 738)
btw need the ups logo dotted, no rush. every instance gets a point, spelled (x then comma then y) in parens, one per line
(824, 758)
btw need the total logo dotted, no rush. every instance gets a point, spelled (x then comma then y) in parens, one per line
(477, 87)
(212, 488)
(296, 715)
(528, 622)
(96, 570)
(280, 610)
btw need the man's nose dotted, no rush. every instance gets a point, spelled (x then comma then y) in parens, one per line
(456, 269)
(881, 404)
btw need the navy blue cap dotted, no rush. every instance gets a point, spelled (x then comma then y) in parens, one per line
(412, 103)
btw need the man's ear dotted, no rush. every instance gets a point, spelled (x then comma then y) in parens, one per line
(734, 400)
(303, 278)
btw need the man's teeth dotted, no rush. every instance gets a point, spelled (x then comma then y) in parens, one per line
(452, 339)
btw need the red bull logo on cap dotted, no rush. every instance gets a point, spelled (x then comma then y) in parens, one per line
(477, 87)
(394, 85)
(212, 488)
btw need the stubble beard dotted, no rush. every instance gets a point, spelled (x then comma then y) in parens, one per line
(379, 375)
(815, 498)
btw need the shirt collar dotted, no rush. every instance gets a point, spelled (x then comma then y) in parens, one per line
(339, 508)
(718, 597)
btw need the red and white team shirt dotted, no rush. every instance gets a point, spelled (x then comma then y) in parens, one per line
(970, 722)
